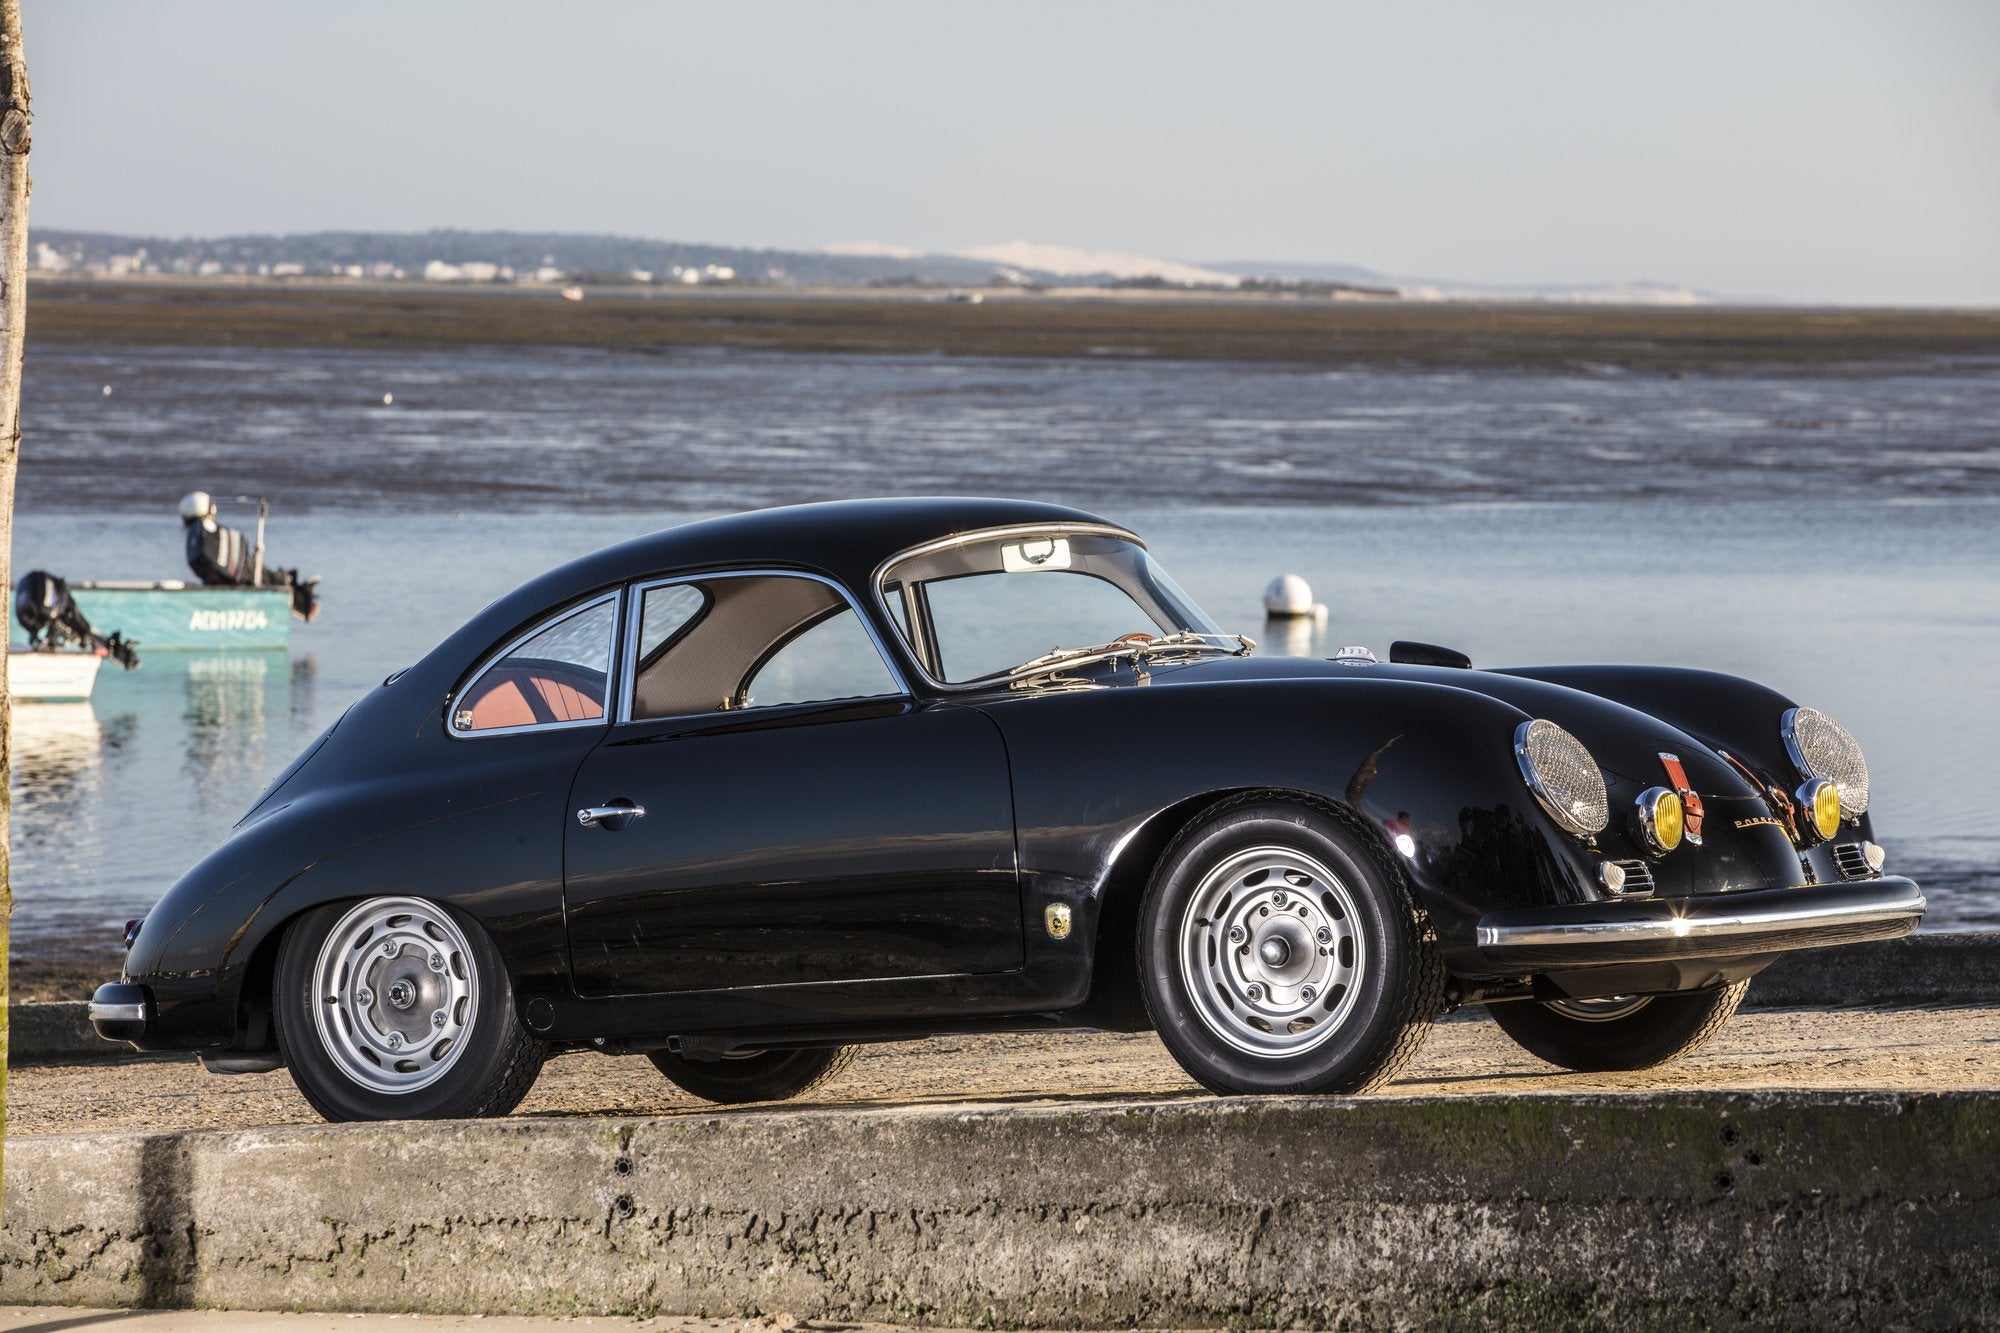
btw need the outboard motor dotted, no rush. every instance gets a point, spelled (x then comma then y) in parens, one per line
(53, 620)
(222, 557)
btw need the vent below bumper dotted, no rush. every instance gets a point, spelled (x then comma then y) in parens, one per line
(1853, 862)
(1638, 879)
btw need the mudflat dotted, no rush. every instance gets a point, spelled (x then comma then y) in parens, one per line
(1191, 326)
(1811, 1049)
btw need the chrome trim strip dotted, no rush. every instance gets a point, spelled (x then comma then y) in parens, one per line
(494, 659)
(117, 1013)
(635, 615)
(964, 538)
(1713, 921)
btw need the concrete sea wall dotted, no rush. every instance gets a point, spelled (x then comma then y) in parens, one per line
(1663, 1211)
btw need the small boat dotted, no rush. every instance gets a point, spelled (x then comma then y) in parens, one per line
(172, 614)
(50, 676)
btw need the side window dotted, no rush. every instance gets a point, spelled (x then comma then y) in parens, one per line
(755, 640)
(664, 613)
(556, 676)
(835, 659)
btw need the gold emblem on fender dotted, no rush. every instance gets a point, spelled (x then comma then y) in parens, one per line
(1760, 819)
(1056, 916)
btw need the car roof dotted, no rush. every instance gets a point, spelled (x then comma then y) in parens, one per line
(845, 540)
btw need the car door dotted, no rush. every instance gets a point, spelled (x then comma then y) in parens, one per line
(805, 820)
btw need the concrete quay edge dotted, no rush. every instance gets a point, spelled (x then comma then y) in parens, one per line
(1671, 1210)
(1943, 969)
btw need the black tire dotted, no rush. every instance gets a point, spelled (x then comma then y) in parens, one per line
(768, 1076)
(1649, 1031)
(1344, 1019)
(329, 1036)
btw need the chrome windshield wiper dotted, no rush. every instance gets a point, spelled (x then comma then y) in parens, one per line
(1187, 641)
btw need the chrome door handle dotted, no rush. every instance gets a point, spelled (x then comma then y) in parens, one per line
(592, 814)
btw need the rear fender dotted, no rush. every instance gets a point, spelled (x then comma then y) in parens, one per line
(210, 941)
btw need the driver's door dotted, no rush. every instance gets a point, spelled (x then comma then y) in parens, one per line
(806, 821)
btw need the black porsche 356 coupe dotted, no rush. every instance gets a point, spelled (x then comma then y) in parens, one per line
(744, 793)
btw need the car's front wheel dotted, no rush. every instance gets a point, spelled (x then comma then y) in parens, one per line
(1623, 1032)
(399, 1009)
(767, 1076)
(1281, 950)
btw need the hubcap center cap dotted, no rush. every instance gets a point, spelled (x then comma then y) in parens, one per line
(1275, 952)
(402, 994)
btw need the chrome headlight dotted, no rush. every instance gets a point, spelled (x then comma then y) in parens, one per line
(1563, 776)
(1819, 802)
(1661, 818)
(1821, 748)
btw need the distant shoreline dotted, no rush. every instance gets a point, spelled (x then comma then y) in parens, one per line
(1080, 324)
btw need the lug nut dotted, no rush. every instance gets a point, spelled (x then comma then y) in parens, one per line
(437, 962)
(1307, 993)
(1237, 935)
(395, 1041)
(1254, 991)
(1279, 899)
(437, 1018)
(390, 948)
(1324, 935)
(364, 997)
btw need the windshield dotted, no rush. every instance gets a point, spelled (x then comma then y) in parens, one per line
(989, 606)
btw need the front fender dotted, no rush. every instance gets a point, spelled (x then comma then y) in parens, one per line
(1429, 768)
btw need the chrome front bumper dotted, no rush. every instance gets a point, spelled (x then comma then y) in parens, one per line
(121, 1011)
(1717, 925)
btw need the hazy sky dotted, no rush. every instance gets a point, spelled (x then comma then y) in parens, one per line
(1827, 150)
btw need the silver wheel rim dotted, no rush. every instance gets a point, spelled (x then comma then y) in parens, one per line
(1606, 1010)
(1269, 952)
(395, 994)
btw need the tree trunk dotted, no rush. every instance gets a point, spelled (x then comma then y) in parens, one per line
(13, 332)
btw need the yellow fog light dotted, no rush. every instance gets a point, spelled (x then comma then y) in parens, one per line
(1661, 818)
(1820, 801)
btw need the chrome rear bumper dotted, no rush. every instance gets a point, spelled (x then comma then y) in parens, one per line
(1718, 925)
(121, 1011)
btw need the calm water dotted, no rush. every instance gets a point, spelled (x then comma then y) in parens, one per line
(1839, 539)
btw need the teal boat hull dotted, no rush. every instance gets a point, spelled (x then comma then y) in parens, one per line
(170, 616)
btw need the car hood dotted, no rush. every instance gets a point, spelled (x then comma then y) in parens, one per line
(1626, 742)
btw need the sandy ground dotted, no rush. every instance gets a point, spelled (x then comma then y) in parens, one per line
(1850, 1049)
(57, 1319)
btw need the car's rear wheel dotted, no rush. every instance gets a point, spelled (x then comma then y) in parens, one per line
(400, 1009)
(768, 1076)
(1281, 950)
(1623, 1032)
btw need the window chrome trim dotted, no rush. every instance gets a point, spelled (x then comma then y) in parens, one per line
(635, 614)
(876, 580)
(500, 655)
